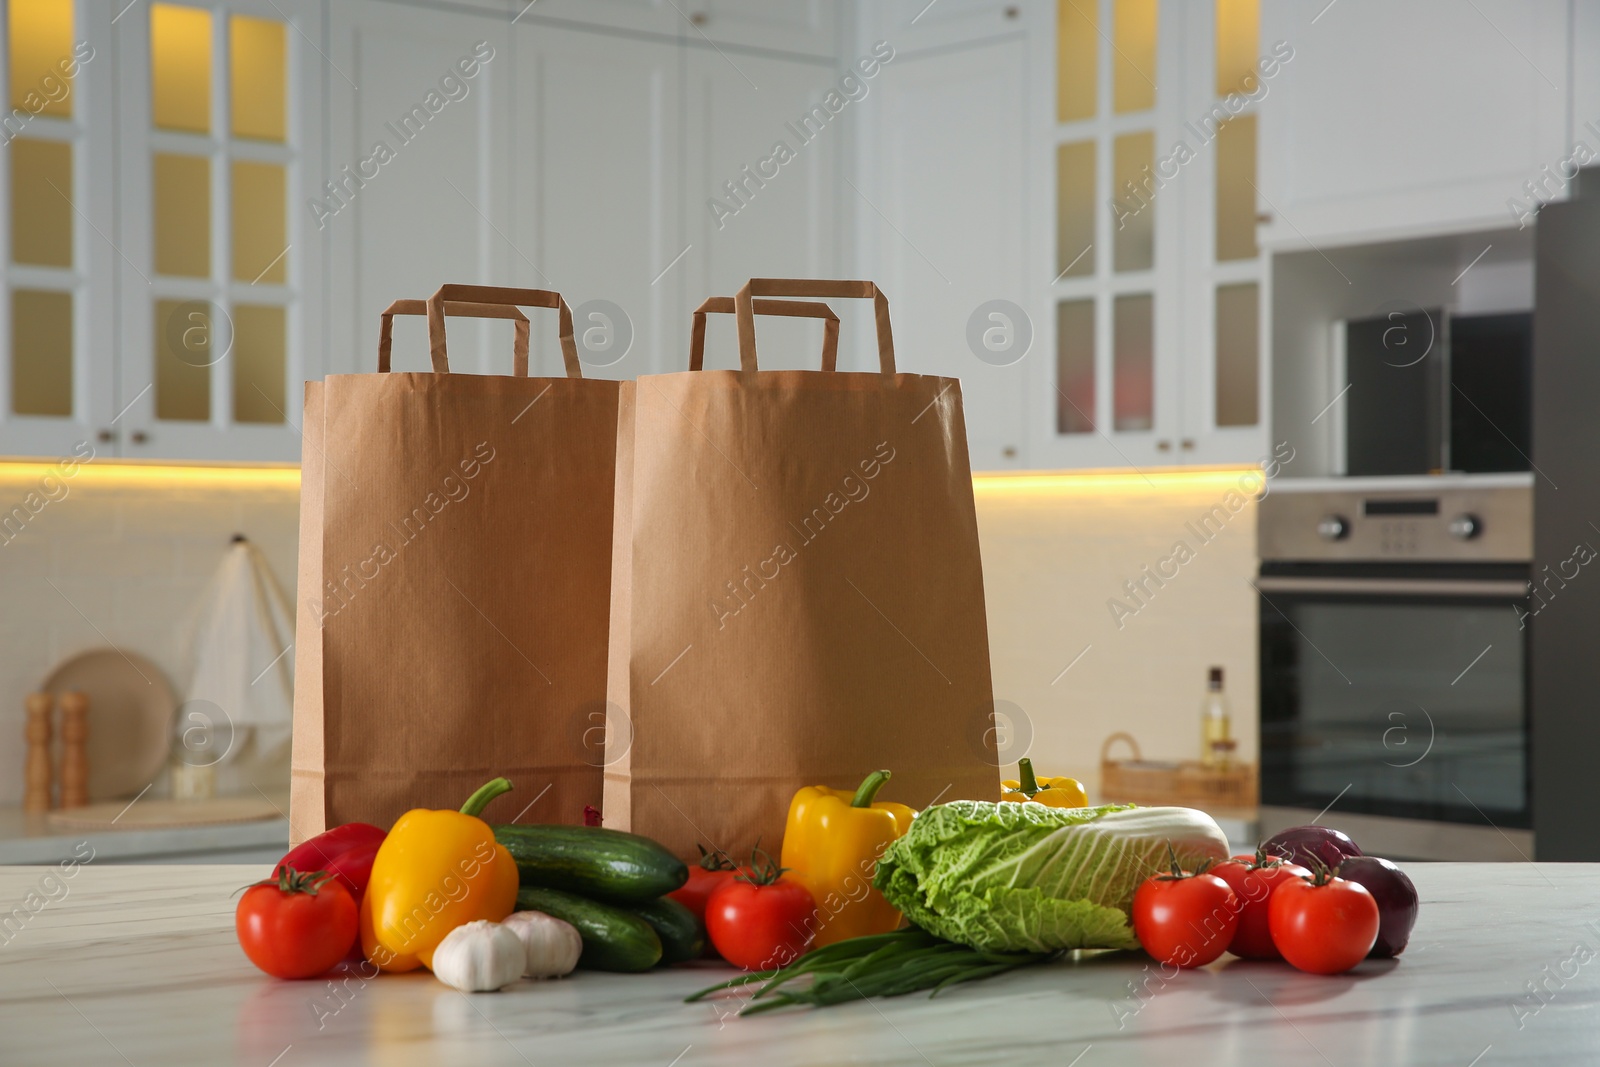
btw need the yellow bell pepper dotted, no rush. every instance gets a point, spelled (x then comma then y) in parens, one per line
(1054, 792)
(434, 872)
(831, 846)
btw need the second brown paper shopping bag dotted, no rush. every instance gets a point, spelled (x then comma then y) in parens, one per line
(455, 558)
(797, 596)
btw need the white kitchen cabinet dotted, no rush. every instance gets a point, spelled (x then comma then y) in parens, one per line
(915, 25)
(941, 218)
(1405, 120)
(60, 394)
(219, 308)
(167, 348)
(753, 209)
(439, 209)
(598, 148)
(799, 27)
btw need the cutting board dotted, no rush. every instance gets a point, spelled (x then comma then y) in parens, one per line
(131, 711)
(162, 814)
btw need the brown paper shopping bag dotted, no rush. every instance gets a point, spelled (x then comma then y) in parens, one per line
(797, 597)
(455, 556)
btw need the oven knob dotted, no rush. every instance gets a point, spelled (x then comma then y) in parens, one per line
(1465, 527)
(1333, 528)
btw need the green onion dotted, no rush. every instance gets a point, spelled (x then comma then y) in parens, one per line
(878, 965)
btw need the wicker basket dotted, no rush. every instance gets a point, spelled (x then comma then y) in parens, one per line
(1185, 783)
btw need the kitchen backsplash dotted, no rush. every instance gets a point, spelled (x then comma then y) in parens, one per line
(122, 555)
(1109, 596)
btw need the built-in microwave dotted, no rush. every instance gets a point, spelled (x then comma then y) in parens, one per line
(1394, 663)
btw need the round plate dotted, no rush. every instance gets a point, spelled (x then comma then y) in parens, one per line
(131, 709)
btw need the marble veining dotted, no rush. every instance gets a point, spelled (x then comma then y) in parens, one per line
(139, 965)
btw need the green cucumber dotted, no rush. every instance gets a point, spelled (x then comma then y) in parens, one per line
(592, 861)
(613, 939)
(682, 936)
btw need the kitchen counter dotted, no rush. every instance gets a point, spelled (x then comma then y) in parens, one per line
(140, 965)
(31, 837)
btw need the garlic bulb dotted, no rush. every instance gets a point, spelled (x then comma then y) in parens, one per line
(553, 945)
(479, 957)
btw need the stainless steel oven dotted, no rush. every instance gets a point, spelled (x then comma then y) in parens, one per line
(1394, 663)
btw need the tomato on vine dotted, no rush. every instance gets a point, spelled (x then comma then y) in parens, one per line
(1323, 924)
(1183, 918)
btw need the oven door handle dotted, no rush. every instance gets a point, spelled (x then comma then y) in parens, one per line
(1508, 588)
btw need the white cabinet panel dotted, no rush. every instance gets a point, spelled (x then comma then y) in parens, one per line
(754, 209)
(437, 206)
(1401, 120)
(804, 27)
(944, 229)
(912, 25)
(596, 207)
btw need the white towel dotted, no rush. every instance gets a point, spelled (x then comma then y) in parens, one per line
(244, 665)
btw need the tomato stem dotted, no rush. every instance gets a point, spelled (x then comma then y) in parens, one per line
(761, 873)
(715, 860)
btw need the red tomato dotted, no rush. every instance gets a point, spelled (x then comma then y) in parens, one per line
(1253, 884)
(1324, 926)
(298, 925)
(712, 870)
(1185, 919)
(761, 920)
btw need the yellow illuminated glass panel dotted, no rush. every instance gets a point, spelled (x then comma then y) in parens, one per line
(1075, 366)
(1133, 62)
(1075, 209)
(185, 340)
(1238, 45)
(41, 213)
(1133, 190)
(183, 215)
(1133, 362)
(1077, 44)
(259, 357)
(1238, 355)
(258, 77)
(41, 55)
(259, 228)
(1236, 191)
(180, 67)
(41, 352)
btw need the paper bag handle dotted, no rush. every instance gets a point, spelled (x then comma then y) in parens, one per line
(498, 294)
(810, 287)
(803, 309)
(455, 307)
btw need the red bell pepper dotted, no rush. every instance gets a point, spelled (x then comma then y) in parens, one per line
(345, 851)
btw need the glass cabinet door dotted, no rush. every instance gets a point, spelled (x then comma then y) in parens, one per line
(218, 158)
(1229, 70)
(52, 397)
(1156, 307)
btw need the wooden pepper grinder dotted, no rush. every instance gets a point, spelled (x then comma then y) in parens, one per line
(75, 754)
(37, 777)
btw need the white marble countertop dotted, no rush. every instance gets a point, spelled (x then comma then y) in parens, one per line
(139, 965)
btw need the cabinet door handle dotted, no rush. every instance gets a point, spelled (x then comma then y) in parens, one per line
(105, 437)
(1187, 445)
(1163, 446)
(138, 437)
(699, 18)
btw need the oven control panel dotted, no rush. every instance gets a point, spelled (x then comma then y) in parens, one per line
(1460, 522)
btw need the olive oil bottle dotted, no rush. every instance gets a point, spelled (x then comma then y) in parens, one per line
(1216, 725)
